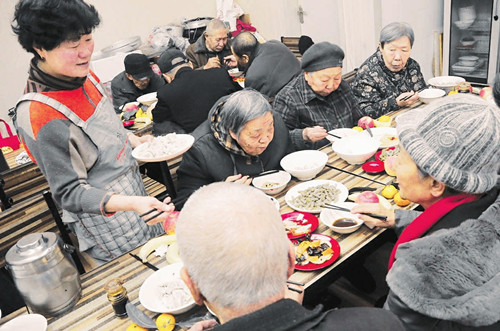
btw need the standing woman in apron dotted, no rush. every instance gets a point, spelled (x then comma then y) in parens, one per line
(70, 129)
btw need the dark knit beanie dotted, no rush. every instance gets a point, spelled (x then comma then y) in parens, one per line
(456, 140)
(321, 56)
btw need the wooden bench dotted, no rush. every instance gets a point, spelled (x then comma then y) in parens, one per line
(293, 44)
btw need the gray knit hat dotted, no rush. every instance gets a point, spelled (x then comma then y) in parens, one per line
(321, 56)
(456, 140)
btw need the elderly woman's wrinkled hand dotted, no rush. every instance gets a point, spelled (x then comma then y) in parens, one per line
(375, 208)
(313, 134)
(240, 179)
(403, 102)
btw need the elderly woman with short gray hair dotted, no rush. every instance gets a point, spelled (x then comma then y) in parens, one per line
(443, 270)
(389, 79)
(242, 137)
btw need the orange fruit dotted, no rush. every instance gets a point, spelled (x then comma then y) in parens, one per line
(384, 118)
(165, 322)
(135, 327)
(389, 191)
(400, 201)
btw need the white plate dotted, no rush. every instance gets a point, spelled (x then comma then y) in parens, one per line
(185, 143)
(147, 99)
(294, 192)
(31, 322)
(343, 132)
(381, 132)
(150, 291)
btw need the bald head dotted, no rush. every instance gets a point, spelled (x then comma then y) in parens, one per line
(233, 244)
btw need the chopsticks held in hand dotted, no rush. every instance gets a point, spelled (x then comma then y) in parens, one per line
(410, 95)
(151, 217)
(151, 211)
(334, 135)
(335, 207)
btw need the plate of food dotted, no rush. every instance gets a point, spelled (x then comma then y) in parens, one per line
(163, 147)
(165, 291)
(32, 322)
(315, 251)
(310, 196)
(299, 224)
(388, 137)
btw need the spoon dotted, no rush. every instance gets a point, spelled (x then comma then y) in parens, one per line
(369, 131)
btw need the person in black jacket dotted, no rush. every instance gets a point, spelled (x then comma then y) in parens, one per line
(241, 138)
(237, 259)
(137, 79)
(183, 104)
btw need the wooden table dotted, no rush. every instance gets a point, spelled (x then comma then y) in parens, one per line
(94, 312)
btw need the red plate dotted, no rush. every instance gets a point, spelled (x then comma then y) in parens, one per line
(296, 218)
(311, 266)
(373, 167)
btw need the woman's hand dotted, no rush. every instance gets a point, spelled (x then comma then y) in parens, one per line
(152, 203)
(413, 97)
(240, 179)
(136, 140)
(140, 204)
(316, 133)
(375, 208)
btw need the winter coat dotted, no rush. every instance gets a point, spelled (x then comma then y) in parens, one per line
(450, 278)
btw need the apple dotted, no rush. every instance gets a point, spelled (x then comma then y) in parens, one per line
(130, 107)
(367, 197)
(170, 223)
(390, 165)
(366, 122)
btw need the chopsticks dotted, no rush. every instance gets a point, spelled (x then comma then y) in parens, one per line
(351, 173)
(147, 264)
(334, 135)
(265, 173)
(335, 207)
(294, 283)
(152, 210)
(410, 95)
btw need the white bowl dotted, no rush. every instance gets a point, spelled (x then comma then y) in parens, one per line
(150, 294)
(272, 183)
(147, 99)
(304, 165)
(446, 83)
(356, 149)
(342, 132)
(430, 94)
(329, 216)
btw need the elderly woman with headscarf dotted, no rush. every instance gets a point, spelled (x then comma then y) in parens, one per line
(443, 271)
(389, 79)
(241, 138)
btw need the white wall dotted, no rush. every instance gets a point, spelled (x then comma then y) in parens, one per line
(425, 17)
(273, 19)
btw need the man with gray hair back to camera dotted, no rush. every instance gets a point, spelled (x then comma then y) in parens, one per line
(237, 259)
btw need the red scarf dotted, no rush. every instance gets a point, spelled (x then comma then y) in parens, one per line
(428, 218)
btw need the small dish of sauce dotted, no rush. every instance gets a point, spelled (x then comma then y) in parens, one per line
(344, 222)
